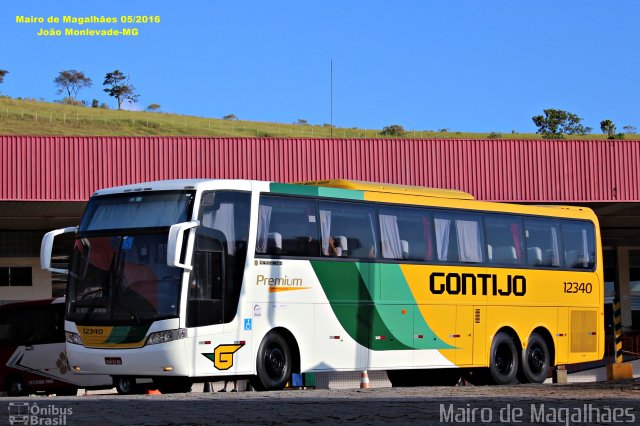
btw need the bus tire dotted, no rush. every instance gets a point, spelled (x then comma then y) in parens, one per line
(503, 364)
(535, 360)
(273, 363)
(125, 385)
(15, 387)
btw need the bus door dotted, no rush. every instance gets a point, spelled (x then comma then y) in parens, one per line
(207, 281)
(446, 327)
(464, 334)
(215, 283)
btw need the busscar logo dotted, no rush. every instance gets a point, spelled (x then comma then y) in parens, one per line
(222, 355)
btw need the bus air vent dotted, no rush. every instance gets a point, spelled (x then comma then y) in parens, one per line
(583, 323)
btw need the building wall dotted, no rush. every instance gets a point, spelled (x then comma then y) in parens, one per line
(71, 168)
(41, 288)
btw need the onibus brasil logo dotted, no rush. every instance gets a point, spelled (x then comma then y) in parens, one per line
(25, 413)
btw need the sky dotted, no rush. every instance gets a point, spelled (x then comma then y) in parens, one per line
(463, 65)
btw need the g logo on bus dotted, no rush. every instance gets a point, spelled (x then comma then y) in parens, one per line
(222, 356)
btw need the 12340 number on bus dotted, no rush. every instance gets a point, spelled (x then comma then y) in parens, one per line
(573, 287)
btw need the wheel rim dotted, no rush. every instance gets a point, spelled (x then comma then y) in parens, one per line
(16, 388)
(536, 360)
(124, 385)
(504, 359)
(275, 362)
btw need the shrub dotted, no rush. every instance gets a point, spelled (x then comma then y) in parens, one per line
(393, 130)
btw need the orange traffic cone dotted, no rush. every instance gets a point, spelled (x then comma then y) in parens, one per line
(364, 380)
(153, 392)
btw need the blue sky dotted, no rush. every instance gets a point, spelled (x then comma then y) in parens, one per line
(464, 65)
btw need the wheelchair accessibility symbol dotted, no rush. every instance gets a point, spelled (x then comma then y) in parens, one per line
(247, 324)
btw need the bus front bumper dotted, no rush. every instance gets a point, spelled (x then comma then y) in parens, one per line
(164, 359)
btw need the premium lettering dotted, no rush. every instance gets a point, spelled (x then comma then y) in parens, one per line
(278, 282)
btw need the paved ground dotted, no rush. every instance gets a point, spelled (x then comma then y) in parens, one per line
(592, 403)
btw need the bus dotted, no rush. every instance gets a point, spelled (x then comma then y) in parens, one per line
(188, 280)
(32, 351)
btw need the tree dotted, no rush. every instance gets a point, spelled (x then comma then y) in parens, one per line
(153, 107)
(608, 127)
(629, 129)
(2, 74)
(71, 81)
(302, 122)
(393, 130)
(118, 87)
(556, 123)
(230, 117)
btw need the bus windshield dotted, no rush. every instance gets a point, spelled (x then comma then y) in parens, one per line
(137, 210)
(122, 279)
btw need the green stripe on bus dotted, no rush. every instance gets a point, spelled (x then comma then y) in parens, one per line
(375, 320)
(353, 305)
(399, 311)
(315, 191)
(127, 334)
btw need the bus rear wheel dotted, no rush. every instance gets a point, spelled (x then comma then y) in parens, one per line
(535, 360)
(503, 364)
(273, 363)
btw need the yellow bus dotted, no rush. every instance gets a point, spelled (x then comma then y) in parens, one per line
(189, 280)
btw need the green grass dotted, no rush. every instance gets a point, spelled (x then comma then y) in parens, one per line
(30, 117)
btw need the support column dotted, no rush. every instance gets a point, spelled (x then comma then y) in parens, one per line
(623, 286)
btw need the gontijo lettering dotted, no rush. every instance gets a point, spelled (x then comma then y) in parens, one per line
(453, 283)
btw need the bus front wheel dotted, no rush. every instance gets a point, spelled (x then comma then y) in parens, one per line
(125, 385)
(503, 366)
(535, 360)
(273, 363)
(15, 387)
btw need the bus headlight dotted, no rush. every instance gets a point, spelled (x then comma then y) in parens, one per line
(73, 338)
(166, 336)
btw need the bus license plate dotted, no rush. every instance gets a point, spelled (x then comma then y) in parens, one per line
(113, 361)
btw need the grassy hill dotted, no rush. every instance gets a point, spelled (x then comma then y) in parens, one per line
(30, 117)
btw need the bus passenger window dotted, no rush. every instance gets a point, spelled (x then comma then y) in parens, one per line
(355, 222)
(504, 239)
(579, 245)
(543, 244)
(287, 226)
(405, 233)
(458, 238)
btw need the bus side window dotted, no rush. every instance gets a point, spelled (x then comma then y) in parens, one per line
(287, 226)
(356, 222)
(504, 239)
(579, 246)
(405, 233)
(458, 237)
(543, 243)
